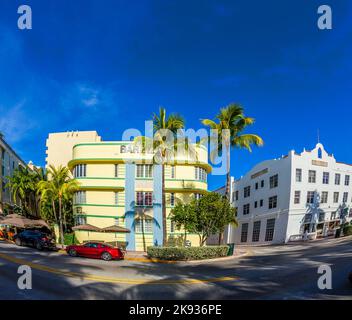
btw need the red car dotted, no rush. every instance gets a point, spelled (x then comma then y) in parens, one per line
(95, 250)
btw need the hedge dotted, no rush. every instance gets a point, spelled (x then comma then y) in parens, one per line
(347, 230)
(70, 239)
(187, 253)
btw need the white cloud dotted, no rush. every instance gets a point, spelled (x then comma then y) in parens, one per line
(15, 122)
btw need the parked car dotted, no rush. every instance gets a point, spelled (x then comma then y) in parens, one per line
(95, 250)
(34, 239)
(350, 277)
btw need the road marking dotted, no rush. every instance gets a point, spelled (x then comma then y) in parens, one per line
(92, 277)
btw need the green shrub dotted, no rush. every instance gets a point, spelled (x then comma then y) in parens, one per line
(347, 230)
(187, 253)
(70, 239)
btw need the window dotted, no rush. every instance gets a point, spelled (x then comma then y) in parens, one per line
(197, 196)
(236, 195)
(312, 176)
(247, 191)
(244, 232)
(80, 171)
(347, 180)
(261, 202)
(173, 172)
(336, 197)
(321, 216)
(324, 197)
(270, 227)
(262, 184)
(200, 174)
(273, 202)
(297, 198)
(274, 181)
(308, 218)
(80, 197)
(246, 209)
(172, 226)
(298, 175)
(325, 177)
(144, 225)
(144, 171)
(256, 231)
(255, 204)
(116, 170)
(345, 197)
(310, 196)
(256, 185)
(116, 198)
(144, 198)
(79, 220)
(337, 178)
(172, 199)
(320, 153)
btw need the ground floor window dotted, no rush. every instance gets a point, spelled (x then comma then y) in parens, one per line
(144, 225)
(80, 220)
(270, 226)
(256, 231)
(244, 232)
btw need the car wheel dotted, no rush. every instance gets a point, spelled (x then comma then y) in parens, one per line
(18, 242)
(39, 246)
(72, 253)
(106, 256)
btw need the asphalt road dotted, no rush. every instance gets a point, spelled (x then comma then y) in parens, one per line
(270, 272)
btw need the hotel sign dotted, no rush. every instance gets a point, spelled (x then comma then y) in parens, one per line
(319, 163)
(259, 173)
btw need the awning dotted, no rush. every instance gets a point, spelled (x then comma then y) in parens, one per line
(86, 227)
(15, 220)
(115, 229)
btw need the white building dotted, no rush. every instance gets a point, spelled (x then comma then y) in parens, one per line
(280, 199)
(9, 162)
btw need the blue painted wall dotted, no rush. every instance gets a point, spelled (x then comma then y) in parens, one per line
(130, 204)
(157, 206)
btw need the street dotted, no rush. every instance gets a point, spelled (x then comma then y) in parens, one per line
(269, 272)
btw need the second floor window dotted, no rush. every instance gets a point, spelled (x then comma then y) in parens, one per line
(144, 225)
(80, 170)
(336, 197)
(144, 198)
(337, 178)
(325, 177)
(116, 170)
(324, 197)
(273, 202)
(274, 181)
(310, 197)
(345, 197)
(173, 172)
(80, 197)
(172, 199)
(312, 176)
(144, 171)
(297, 198)
(246, 209)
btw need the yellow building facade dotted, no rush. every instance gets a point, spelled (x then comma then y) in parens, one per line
(121, 191)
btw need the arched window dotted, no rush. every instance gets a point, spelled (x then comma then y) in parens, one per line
(320, 154)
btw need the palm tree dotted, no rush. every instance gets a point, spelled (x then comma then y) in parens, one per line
(58, 189)
(230, 124)
(164, 149)
(22, 185)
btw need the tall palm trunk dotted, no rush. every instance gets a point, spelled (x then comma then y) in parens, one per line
(61, 224)
(228, 186)
(163, 204)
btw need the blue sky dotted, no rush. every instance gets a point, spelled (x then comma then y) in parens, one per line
(108, 65)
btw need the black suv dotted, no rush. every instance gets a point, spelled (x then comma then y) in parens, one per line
(35, 239)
